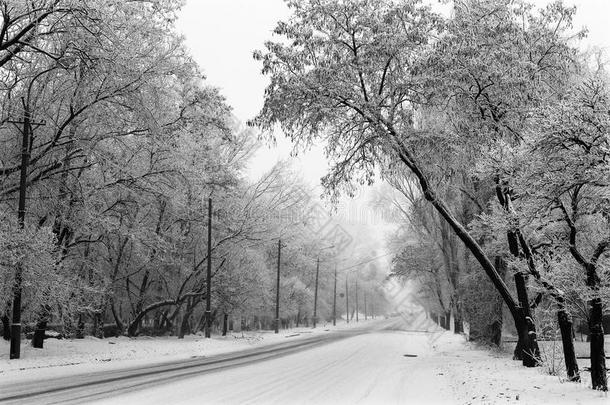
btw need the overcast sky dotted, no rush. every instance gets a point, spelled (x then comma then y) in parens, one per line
(222, 34)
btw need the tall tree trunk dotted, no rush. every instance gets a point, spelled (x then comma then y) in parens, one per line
(458, 322)
(98, 324)
(225, 323)
(186, 316)
(214, 320)
(450, 259)
(184, 325)
(565, 327)
(527, 348)
(80, 327)
(599, 379)
(495, 333)
(117, 317)
(528, 344)
(495, 329)
(490, 330)
(6, 327)
(166, 323)
(41, 328)
(200, 324)
(39, 333)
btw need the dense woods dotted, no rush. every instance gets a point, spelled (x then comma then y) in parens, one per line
(489, 128)
(112, 144)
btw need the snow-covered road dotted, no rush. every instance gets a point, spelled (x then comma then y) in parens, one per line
(367, 368)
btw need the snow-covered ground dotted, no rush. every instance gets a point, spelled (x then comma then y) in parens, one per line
(62, 356)
(384, 366)
(479, 376)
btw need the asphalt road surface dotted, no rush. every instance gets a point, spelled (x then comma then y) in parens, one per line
(383, 362)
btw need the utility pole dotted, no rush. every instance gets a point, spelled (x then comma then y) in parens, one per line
(15, 349)
(356, 300)
(277, 288)
(346, 299)
(335, 299)
(315, 294)
(208, 301)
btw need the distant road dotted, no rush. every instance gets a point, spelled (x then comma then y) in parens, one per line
(133, 385)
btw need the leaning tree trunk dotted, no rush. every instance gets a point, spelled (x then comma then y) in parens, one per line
(461, 232)
(134, 325)
(495, 328)
(599, 379)
(565, 327)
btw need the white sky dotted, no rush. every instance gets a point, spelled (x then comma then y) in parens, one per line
(222, 34)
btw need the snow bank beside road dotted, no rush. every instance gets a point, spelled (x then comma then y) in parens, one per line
(483, 377)
(94, 351)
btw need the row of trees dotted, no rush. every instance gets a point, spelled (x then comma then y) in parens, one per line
(112, 143)
(493, 128)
